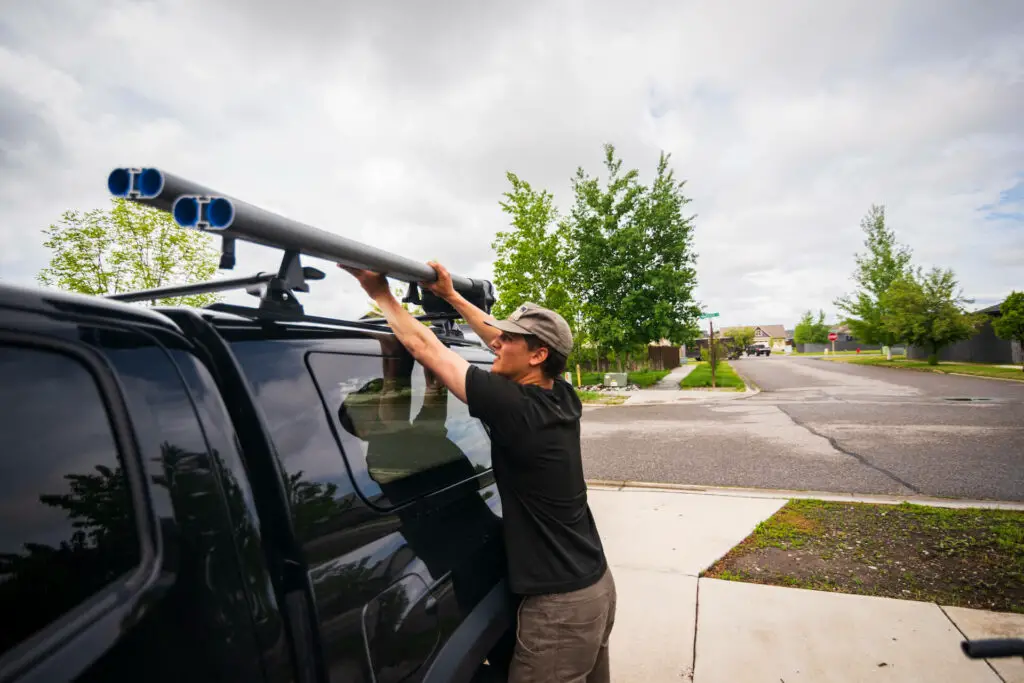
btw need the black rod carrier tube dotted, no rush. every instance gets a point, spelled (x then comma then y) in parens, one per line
(225, 285)
(199, 207)
(993, 648)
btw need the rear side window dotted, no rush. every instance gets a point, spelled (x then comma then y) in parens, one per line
(412, 436)
(66, 524)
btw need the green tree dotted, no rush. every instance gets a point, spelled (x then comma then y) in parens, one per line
(531, 258)
(742, 337)
(128, 247)
(630, 255)
(803, 333)
(811, 331)
(927, 310)
(884, 263)
(1009, 324)
(820, 329)
(660, 299)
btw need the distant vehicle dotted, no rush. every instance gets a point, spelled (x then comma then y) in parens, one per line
(759, 349)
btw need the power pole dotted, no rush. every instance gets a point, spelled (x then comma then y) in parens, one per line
(712, 358)
(711, 351)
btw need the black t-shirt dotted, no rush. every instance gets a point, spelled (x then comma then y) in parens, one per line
(550, 536)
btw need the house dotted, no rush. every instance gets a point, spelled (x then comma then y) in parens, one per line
(843, 333)
(983, 347)
(773, 335)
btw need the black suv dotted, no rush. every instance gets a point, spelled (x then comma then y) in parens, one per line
(225, 495)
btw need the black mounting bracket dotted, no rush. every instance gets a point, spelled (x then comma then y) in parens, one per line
(448, 328)
(278, 295)
(227, 253)
(412, 295)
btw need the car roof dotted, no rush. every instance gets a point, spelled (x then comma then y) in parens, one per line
(47, 300)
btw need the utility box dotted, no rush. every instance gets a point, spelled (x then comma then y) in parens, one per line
(615, 379)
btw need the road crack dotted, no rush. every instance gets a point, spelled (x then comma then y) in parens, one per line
(845, 451)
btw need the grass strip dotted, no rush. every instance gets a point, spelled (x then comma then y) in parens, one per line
(901, 362)
(969, 557)
(725, 377)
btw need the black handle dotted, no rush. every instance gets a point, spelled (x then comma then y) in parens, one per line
(990, 648)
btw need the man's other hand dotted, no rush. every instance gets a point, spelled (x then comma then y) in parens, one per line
(374, 284)
(442, 287)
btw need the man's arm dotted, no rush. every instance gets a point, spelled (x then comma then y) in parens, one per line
(418, 340)
(476, 318)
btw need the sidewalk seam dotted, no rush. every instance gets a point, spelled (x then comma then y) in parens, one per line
(957, 627)
(696, 625)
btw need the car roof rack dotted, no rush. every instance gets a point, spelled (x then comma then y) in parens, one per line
(198, 207)
(444, 324)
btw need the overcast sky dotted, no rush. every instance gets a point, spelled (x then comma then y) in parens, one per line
(394, 124)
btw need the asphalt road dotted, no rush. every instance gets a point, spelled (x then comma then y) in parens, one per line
(818, 425)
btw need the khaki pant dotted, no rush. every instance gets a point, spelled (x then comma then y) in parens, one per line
(563, 638)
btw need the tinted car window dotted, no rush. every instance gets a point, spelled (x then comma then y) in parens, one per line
(410, 434)
(66, 523)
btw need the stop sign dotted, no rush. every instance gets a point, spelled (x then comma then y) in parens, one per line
(832, 336)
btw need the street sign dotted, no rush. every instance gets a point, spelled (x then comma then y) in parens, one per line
(832, 336)
(705, 316)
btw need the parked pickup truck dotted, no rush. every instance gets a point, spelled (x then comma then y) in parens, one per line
(759, 349)
(225, 494)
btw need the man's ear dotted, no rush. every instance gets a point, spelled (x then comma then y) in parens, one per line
(539, 355)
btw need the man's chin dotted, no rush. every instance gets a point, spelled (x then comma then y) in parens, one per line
(498, 370)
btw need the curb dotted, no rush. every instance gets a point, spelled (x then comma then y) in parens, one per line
(750, 384)
(741, 492)
(933, 372)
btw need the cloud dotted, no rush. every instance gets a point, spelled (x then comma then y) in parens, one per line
(395, 124)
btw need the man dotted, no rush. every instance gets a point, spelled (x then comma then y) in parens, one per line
(556, 563)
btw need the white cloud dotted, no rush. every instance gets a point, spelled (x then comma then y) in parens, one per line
(395, 124)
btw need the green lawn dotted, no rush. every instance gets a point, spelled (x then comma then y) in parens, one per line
(865, 352)
(977, 369)
(641, 378)
(725, 377)
(965, 557)
(601, 398)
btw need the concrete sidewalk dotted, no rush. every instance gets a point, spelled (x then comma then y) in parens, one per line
(673, 626)
(670, 382)
(667, 391)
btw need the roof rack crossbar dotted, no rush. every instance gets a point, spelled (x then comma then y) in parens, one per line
(284, 316)
(223, 285)
(196, 206)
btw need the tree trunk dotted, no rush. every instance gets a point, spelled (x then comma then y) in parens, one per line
(933, 357)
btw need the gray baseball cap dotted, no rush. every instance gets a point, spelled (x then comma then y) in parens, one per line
(545, 324)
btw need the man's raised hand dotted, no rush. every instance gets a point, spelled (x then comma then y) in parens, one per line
(374, 284)
(441, 287)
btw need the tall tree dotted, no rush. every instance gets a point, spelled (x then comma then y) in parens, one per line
(1010, 322)
(660, 303)
(742, 337)
(927, 310)
(884, 263)
(803, 333)
(125, 248)
(811, 331)
(596, 223)
(820, 329)
(631, 257)
(529, 263)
